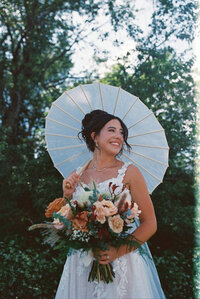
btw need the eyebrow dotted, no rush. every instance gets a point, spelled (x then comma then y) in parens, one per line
(115, 128)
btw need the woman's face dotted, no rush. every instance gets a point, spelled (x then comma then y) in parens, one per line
(110, 139)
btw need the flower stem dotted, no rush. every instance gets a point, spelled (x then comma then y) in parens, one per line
(100, 272)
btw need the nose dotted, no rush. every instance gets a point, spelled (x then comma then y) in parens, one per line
(119, 135)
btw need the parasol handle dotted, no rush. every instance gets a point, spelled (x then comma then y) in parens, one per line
(68, 185)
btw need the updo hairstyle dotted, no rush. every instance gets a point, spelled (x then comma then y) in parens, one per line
(94, 122)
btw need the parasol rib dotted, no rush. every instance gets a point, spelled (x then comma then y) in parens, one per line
(151, 132)
(101, 96)
(66, 147)
(83, 165)
(116, 100)
(59, 135)
(53, 120)
(141, 120)
(151, 146)
(130, 108)
(70, 158)
(66, 113)
(162, 163)
(86, 97)
(142, 167)
(77, 105)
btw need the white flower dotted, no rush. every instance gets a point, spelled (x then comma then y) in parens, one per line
(83, 199)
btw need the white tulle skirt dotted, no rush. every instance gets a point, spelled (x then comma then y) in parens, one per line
(135, 278)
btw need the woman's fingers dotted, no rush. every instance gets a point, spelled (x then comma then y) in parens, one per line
(105, 259)
(107, 256)
(72, 180)
(101, 255)
(70, 183)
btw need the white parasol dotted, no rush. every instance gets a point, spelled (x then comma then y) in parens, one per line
(146, 136)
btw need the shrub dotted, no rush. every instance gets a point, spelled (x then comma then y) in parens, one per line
(28, 273)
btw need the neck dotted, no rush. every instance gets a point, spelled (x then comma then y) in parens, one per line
(101, 161)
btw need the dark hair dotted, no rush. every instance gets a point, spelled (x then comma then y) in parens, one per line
(94, 122)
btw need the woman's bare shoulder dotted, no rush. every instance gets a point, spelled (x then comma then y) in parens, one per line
(132, 169)
(133, 173)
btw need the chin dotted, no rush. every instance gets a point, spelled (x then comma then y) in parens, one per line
(115, 153)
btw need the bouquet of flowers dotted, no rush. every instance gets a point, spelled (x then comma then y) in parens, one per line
(93, 222)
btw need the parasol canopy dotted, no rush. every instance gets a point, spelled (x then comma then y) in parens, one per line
(146, 136)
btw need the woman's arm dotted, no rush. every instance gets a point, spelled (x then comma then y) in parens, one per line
(140, 195)
(148, 225)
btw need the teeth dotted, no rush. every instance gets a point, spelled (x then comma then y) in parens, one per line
(114, 143)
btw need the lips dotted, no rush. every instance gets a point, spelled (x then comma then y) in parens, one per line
(115, 143)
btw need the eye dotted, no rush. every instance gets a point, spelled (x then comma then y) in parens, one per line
(111, 130)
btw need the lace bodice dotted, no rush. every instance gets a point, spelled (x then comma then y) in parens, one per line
(103, 186)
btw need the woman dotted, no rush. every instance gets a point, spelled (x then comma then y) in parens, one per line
(135, 275)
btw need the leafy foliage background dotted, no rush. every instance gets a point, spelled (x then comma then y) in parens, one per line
(37, 42)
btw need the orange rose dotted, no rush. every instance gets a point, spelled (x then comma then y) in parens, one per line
(80, 221)
(55, 206)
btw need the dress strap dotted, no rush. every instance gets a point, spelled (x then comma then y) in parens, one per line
(122, 171)
(81, 169)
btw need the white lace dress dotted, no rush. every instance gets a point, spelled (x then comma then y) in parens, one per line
(135, 274)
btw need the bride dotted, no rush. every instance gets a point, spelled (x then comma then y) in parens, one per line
(135, 274)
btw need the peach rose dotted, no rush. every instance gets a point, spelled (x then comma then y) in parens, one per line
(66, 212)
(55, 206)
(116, 223)
(100, 214)
(134, 212)
(80, 221)
(104, 208)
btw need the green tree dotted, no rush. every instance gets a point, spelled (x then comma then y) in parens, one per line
(164, 83)
(37, 39)
(162, 79)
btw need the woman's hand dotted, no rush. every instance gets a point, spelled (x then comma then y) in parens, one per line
(107, 256)
(71, 181)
